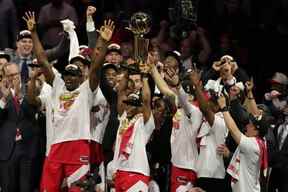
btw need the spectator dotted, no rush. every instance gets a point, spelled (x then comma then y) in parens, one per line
(49, 21)
(18, 132)
(8, 24)
(4, 59)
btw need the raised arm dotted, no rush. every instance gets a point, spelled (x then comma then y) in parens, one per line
(250, 100)
(146, 91)
(59, 50)
(38, 48)
(90, 26)
(105, 35)
(203, 104)
(146, 95)
(159, 81)
(230, 123)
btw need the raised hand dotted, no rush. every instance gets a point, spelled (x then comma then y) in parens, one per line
(106, 31)
(171, 77)
(249, 85)
(5, 88)
(90, 11)
(29, 18)
(216, 65)
(151, 60)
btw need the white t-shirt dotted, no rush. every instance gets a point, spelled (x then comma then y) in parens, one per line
(209, 163)
(249, 172)
(183, 139)
(137, 160)
(67, 113)
(99, 116)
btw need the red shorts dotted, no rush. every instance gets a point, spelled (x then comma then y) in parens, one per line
(54, 174)
(181, 177)
(125, 181)
(67, 160)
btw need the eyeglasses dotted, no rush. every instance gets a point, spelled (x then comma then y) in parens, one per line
(12, 75)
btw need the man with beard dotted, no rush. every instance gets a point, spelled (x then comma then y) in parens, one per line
(68, 151)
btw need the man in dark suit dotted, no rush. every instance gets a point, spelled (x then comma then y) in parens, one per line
(278, 157)
(18, 134)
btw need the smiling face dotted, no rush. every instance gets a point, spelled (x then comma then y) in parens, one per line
(24, 47)
(137, 82)
(110, 76)
(72, 82)
(114, 57)
(170, 63)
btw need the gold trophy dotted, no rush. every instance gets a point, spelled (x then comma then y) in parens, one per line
(140, 24)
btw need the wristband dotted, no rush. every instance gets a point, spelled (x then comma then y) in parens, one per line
(224, 109)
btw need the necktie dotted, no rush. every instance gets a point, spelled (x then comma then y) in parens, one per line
(16, 103)
(280, 135)
(24, 71)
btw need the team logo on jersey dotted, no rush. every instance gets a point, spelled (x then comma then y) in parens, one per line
(67, 99)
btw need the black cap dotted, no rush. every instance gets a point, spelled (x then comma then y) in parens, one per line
(261, 123)
(114, 47)
(109, 66)
(24, 34)
(133, 69)
(174, 54)
(80, 58)
(5, 55)
(73, 70)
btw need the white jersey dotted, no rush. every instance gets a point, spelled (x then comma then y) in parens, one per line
(209, 163)
(45, 97)
(137, 161)
(99, 116)
(183, 137)
(249, 169)
(68, 112)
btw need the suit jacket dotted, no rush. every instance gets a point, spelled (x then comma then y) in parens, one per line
(278, 158)
(25, 120)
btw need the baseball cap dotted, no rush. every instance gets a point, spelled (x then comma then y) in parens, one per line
(5, 55)
(174, 54)
(108, 66)
(79, 58)
(24, 34)
(279, 78)
(73, 70)
(114, 47)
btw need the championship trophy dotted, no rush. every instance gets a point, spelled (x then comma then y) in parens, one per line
(140, 24)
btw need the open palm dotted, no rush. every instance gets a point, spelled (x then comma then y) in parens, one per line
(29, 18)
(106, 31)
